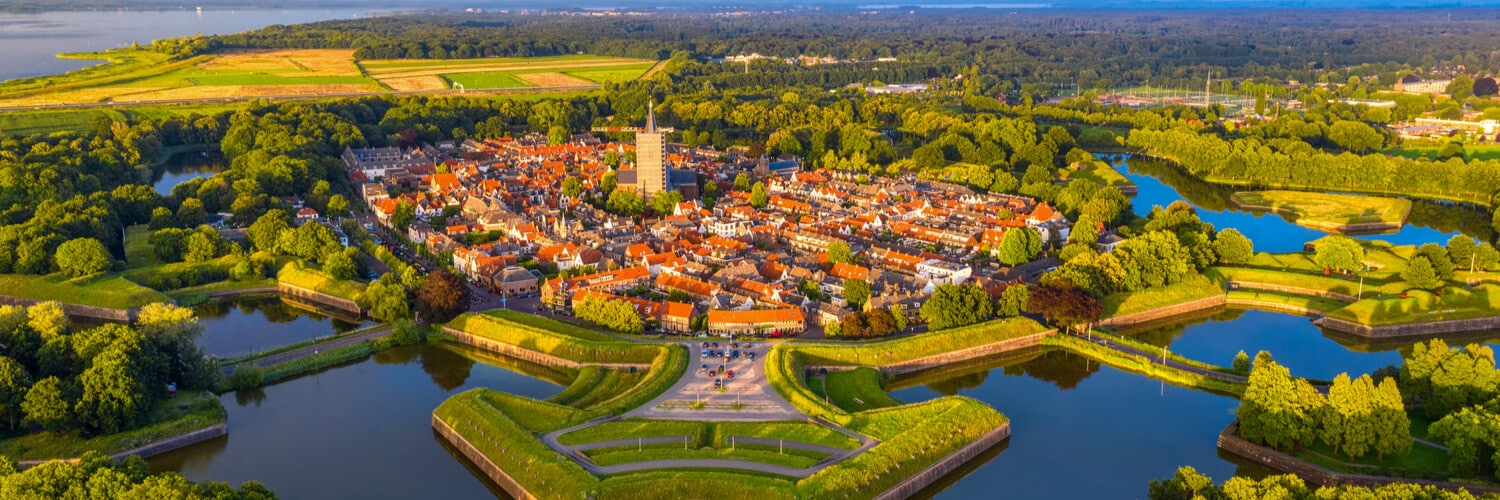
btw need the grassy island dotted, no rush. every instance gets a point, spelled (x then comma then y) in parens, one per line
(1335, 212)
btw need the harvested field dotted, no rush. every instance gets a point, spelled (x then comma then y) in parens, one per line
(322, 62)
(553, 80)
(246, 90)
(415, 83)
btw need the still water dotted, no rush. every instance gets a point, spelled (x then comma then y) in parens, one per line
(246, 325)
(29, 43)
(1082, 430)
(183, 167)
(1162, 184)
(361, 430)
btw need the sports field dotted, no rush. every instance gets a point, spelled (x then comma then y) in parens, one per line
(134, 77)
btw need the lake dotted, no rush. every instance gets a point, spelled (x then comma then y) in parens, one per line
(246, 325)
(29, 43)
(1161, 184)
(361, 430)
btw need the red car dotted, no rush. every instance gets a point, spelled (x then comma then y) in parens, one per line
(775, 335)
(729, 374)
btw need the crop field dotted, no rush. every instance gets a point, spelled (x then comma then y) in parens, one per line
(492, 73)
(140, 77)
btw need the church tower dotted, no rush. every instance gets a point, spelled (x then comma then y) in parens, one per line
(650, 156)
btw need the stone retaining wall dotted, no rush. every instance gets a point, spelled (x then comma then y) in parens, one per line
(320, 298)
(950, 463)
(540, 358)
(1252, 285)
(1313, 473)
(150, 449)
(1164, 312)
(1273, 306)
(483, 463)
(962, 355)
(104, 313)
(1411, 329)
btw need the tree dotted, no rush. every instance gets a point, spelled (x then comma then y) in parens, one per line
(1013, 300)
(1462, 87)
(191, 213)
(742, 182)
(1064, 307)
(338, 206)
(82, 257)
(1186, 484)
(854, 326)
(1271, 412)
(572, 187)
(266, 231)
(201, 246)
(1419, 273)
(956, 305)
(1019, 246)
(1339, 253)
(665, 202)
(898, 314)
(856, 293)
(14, 383)
(839, 253)
(1354, 136)
(1438, 256)
(1233, 247)
(1486, 257)
(1241, 362)
(1392, 426)
(758, 197)
(403, 216)
(1461, 249)
(833, 329)
(624, 201)
(441, 297)
(387, 298)
(45, 405)
(880, 322)
(614, 314)
(48, 319)
(1485, 86)
(113, 397)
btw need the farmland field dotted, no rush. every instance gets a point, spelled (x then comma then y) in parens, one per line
(137, 77)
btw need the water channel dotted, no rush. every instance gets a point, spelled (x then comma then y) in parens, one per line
(247, 325)
(361, 430)
(186, 166)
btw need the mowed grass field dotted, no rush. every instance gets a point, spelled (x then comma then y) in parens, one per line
(134, 77)
(1327, 210)
(493, 73)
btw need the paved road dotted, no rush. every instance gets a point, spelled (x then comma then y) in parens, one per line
(749, 387)
(333, 343)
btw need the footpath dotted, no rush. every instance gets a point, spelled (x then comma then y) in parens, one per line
(309, 350)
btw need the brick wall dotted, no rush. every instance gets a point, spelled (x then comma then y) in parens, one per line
(1411, 329)
(950, 463)
(480, 461)
(104, 313)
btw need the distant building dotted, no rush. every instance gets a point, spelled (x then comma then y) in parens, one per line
(900, 88)
(1412, 85)
(729, 322)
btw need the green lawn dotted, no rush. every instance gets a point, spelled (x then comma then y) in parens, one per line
(1422, 461)
(1099, 172)
(1192, 288)
(138, 247)
(1327, 210)
(192, 296)
(108, 290)
(611, 456)
(487, 80)
(1298, 278)
(1318, 304)
(595, 385)
(184, 413)
(618, 74)
(886, 352)
(552, 325)
(845, 387)
(1420, 306)
(307, 275)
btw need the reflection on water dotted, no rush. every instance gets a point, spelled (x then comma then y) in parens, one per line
(1084, 431)
(186, 166)
(362, 430)
(245, 325)
(1161, 184)
(1294, 341)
